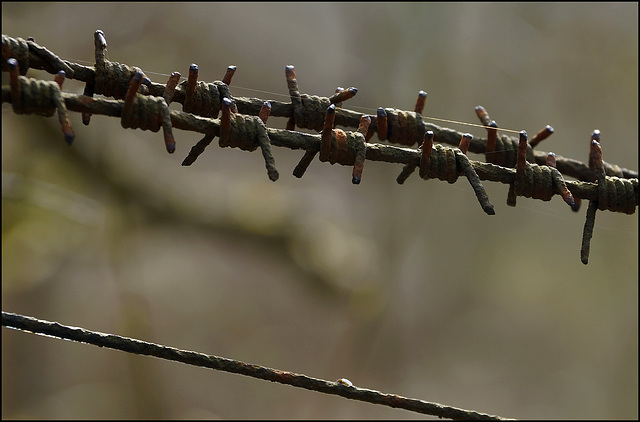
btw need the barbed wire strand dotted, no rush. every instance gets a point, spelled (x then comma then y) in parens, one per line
(341, 387)
(278, 94)
(242, 125)
(30, 54)
(304, 141)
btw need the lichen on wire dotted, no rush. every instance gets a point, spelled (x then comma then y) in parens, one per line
(141, 103)
(339, 388)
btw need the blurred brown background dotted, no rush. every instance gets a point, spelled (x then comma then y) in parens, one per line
(406, 289)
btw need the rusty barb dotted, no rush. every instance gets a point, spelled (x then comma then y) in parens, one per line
(241, 123)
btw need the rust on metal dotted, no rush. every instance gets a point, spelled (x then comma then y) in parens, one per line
(420, 102)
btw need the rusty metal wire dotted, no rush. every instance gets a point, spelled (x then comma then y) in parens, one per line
(341, 387)
(242, 124)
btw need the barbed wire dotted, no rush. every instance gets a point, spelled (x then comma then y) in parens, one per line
(342, 387)
(143, 104)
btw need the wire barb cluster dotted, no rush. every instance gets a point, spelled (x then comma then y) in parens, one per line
(142, 104)
(146, 112)
(33, 96)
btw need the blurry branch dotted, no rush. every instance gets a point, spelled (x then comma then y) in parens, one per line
(341, 387)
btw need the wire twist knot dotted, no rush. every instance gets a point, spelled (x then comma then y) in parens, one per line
(505, 153)
(442, 164)
(309, 110)
(37, 97)
(345, 148)
(146, 112)
(539, 182)
(43, 98)
(534, 181)
(247, 133)
(400, 127)
(446, 163)
(206, 98)
(244, 132)
(112, 79)
(617, 194)
(18, 49)
(503, 150)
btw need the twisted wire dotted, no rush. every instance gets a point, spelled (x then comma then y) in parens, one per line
(37, 97)
(243, 126)
(247, 133)
(534, 181)
(308, 110)
(344, 117)
(400, 127)
(621, 195)
(612, 204)
(346, 148)
(503, 150)
(377, 152)
(146, 112)
(537, 182)
(338, 146)
(111, 78)
(17, 48)
(446, 163)
(618, 195)
(33, 96)
(203, 98)
(28, 54)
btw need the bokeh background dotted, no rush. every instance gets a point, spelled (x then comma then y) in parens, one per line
(406, 289)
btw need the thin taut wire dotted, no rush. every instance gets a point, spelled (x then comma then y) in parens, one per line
(341, 387)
